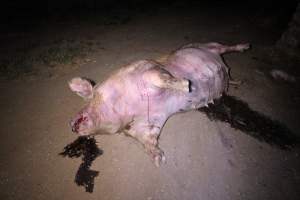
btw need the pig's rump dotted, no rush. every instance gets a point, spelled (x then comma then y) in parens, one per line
(206, 71)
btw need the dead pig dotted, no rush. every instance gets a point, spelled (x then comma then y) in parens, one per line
(139, 98)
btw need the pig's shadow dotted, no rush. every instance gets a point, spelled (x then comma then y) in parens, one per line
(87, 149)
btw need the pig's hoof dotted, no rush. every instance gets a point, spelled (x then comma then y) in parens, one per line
(158, 156)
(159, 159)
(243, 47)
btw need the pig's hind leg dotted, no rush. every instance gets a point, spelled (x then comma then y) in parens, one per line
(161, 78)
(147, 133)
(218, 48)
(221, 49)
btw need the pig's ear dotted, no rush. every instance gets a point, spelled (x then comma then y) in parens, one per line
(82, 87)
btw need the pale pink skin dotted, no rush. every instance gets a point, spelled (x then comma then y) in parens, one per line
(137, 102)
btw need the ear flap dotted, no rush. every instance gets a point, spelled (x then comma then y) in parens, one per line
(82, 87)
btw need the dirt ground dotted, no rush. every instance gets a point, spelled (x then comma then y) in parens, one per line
(205, 159)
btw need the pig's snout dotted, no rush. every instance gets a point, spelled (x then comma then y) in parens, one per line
(73, 127)
(75, 124)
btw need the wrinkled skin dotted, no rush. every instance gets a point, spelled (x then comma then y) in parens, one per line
(139, 98)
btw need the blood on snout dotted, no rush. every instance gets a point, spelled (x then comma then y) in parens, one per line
(77, 123)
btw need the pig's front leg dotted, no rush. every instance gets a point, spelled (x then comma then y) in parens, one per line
(147, 133)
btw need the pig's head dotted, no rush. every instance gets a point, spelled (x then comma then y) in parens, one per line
(87, 120)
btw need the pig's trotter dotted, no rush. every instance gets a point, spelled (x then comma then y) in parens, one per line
(156, 154)
(242, 47)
